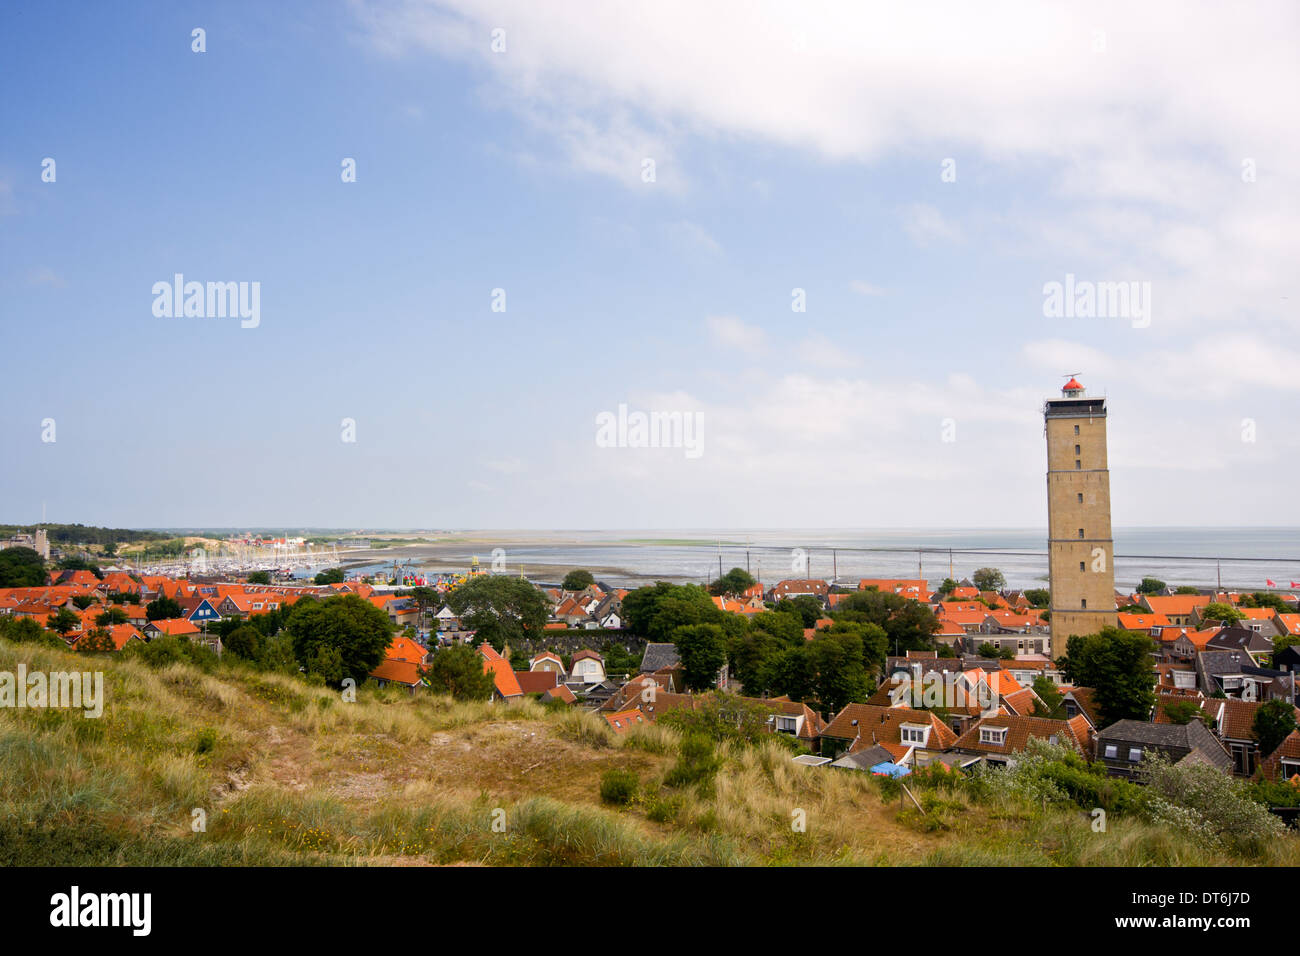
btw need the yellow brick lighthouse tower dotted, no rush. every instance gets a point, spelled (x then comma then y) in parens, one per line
(1080, 550)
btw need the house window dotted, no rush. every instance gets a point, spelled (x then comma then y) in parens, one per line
(913, 735)
(787, 725)
(1135, 754)
(1290, 768)
(993, 735)
(1112, 751)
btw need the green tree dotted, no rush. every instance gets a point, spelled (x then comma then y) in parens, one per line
(501, 609)
(946, 588)
(1151, 586)
(719, 717)
(83, 601)
(260, 577)
(62, 621)
(1186, 589)
(1264, 599)
(76, 563)
(577, 580)
(326, 665)
(96, 640)
(114, 615)
(162, 609)
(1221, 612)
(839, 676)
(25, 629)
(1039, 597)
(702, 651)
(458, 671)
(1117, 665)
(654, 612)
(735, 581)
(989, 579)
(357, 630)
(329, 576)
(244, 641)
(1051, 697)
(908, 625)
(1182, 712)
(805, 607)
(793, 672)
(874, 642)
(277, 654)
(786, 628)
(1273, 723)
(987, 650)
(21, 568)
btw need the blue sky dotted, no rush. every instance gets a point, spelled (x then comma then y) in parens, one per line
(795, 146)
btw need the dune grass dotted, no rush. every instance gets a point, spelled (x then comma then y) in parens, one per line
(241, 767)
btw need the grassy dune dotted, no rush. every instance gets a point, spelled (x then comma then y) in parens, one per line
(287, 773)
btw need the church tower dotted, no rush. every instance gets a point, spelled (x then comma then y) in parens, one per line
(1080, 550)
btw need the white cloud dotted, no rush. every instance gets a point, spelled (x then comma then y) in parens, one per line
(865, 288)
(1154, 130)
(925, 223)
(731, 333)
(691, 237)
(820, 351)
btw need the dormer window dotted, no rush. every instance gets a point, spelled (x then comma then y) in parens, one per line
(996, 736)
(915, 734)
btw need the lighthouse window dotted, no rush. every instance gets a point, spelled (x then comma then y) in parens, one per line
(1080, 497)
(1077, 464)
(1076, 429)
(1077, 450)
(1080, 565)
(1080, 532)
(1084, 604)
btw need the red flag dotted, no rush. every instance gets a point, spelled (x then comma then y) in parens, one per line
(1295, 584)
(1269, 583)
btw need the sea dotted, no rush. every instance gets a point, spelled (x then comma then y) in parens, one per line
(1236, 558)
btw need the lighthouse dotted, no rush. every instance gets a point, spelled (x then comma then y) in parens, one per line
(1080, 548)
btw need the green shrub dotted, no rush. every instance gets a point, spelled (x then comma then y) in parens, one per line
(663, 808)
(619, 786)
(696, 763)
(1209, 805)
(1274, 793)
